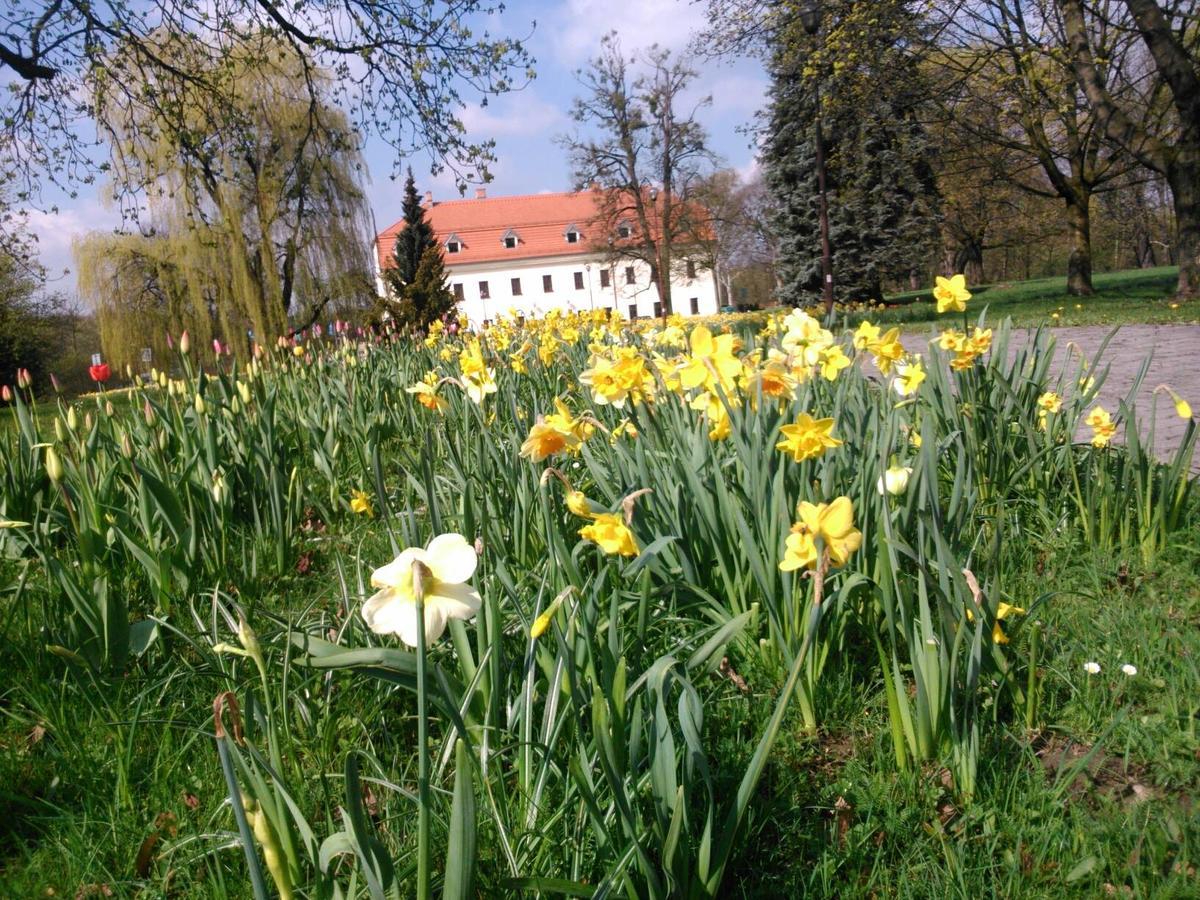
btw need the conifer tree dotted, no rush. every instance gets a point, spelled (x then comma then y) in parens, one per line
(413, 241)
(427, 297)
(880, 182)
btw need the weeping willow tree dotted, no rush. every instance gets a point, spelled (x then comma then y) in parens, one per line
(247, 206)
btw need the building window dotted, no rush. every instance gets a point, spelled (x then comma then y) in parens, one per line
(695, 304)
(484, 293)
(579, 281)
(633, 310)
(510, 243)
(453, 246)
(605, 277)
(657, 309)
(572, 237)
(629, 279)
(623, 230)
(691, 268)
(458, 292)
(516, 287)
(548, 283)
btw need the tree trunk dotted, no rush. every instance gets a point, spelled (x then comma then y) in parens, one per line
(1142, 248)
(914, 280)
(1079, 263)
(1184, 178)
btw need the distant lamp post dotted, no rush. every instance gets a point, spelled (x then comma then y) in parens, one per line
(810, 19)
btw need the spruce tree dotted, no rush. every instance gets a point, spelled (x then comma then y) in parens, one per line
(428, 297)
(414, 239)
(882, 194)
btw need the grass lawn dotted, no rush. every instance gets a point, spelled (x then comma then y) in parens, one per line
(1133, 296)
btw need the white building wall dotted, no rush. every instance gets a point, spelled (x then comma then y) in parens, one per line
(690, 296)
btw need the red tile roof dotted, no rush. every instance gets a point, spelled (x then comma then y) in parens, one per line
(539, 220)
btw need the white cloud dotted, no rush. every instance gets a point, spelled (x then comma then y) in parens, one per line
(577, 27)
(56, 231)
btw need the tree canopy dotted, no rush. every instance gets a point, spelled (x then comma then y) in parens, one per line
(252, 213)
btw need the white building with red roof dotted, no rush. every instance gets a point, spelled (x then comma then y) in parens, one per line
(527, 255)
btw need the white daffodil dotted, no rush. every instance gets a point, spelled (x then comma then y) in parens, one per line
(894, 481)
(446, 565)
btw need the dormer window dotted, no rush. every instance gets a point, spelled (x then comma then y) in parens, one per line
(623, 230)
(510, 240)
(571, 234)
(453, 244)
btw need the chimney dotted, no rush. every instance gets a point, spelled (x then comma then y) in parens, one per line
(429, 198)
(480, 193)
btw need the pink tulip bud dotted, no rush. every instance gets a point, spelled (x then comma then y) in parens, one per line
(170, 341)
(216, 347)
(185, 343)
(6, 394)
(54, 383)
(24, 379)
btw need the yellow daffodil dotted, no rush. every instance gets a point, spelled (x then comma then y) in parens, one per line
(807, 438)
(360, 503)
(831, 360)
(909, 376)
(832, 524)
(887, 350)
(624, 429)
(1183, 409)
(545, 440)
(715, 412)
(610, 533)
(712, 359)
(1103, 427)
(1003, 611)
(427, 395)
(446, 566)
(562, 419)
(951, 294)
(579, 505)
(866, 335)
(1049, 403)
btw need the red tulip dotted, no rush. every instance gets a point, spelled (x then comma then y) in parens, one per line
(100, 373)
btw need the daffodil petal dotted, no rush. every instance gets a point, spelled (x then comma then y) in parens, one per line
(390, 576)
(450, 558)
(458, 601)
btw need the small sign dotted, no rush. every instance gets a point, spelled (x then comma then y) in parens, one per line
(147, 354)
(95, 359)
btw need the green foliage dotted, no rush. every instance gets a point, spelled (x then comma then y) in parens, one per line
(417, 280)
(883, 217)
(413, 240)
(649, 740)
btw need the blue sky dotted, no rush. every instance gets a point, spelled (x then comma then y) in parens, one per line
(524, 124)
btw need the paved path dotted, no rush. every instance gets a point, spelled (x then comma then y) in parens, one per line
(1175, 360)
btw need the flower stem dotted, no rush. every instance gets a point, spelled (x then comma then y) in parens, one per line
(422, 741)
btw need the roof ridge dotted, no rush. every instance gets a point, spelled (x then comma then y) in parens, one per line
(511, 197)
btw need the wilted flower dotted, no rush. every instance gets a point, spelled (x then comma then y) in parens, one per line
(443, 569)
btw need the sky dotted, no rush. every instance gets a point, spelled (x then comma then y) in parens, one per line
(524, 124)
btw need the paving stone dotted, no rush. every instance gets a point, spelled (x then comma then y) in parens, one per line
(1174, 352)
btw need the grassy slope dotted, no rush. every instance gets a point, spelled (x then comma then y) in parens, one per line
(1126, 297)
